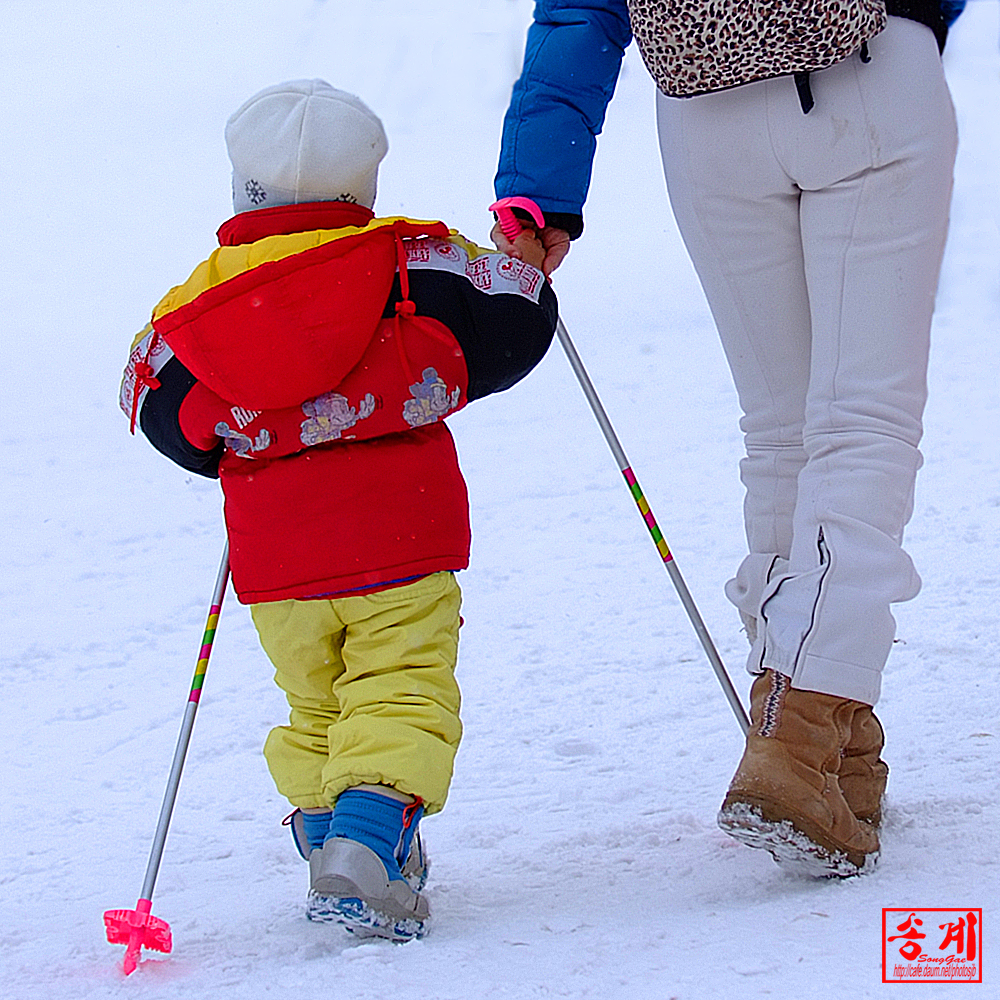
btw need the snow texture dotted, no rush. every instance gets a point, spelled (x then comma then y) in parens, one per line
(578, 855)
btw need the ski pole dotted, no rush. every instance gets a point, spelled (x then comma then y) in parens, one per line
(647, 515)
(511, 227)
(138, 928)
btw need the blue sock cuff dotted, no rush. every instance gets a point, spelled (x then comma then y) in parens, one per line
(316, 825)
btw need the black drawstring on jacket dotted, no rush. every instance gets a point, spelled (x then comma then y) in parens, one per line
(804, 89)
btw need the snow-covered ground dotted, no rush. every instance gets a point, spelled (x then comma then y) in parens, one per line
(578, 856)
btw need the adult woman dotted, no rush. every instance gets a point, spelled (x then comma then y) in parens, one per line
(818, 247)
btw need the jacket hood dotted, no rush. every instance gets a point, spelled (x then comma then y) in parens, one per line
(283, 311)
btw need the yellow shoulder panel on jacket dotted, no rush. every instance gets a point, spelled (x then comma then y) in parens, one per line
(148, 328)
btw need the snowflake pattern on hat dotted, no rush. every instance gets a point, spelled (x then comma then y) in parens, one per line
(256, 195)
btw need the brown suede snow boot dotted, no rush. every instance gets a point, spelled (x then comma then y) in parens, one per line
(863, 774)
(786, 796)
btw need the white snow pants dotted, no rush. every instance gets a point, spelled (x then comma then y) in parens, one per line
(818, 240)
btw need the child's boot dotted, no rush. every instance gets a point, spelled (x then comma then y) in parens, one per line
(310, 827)
(786, 796)
(358, 877)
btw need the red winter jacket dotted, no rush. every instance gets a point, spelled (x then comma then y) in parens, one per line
(297, 360)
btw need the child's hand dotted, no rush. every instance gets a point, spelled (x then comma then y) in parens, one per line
(544, 250)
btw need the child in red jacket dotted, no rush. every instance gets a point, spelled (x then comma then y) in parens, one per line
(309, 363)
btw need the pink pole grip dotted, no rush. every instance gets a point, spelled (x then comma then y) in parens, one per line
(509, 222)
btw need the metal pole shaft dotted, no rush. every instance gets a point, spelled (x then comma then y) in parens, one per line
(187, 724)
(668, 560)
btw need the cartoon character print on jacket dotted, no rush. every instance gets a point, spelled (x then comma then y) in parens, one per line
(242, 443)
(431, 399)
(330, 415)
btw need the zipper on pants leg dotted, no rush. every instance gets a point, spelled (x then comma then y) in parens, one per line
(824, 563)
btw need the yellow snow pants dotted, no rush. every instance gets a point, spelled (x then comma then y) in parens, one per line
(371, 684)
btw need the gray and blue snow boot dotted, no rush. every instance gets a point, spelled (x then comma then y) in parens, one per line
(366, 864)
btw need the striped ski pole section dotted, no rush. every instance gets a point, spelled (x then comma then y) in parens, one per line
(647, 515)
(206, 651)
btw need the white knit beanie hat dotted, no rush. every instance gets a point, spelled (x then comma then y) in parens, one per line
(304, 141)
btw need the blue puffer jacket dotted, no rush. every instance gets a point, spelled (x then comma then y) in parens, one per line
(571, 66)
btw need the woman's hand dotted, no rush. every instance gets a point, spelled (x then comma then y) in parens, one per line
(545, 249)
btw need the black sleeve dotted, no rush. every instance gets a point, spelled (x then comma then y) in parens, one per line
(568, 222)
(159, 420)
(502, 336)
